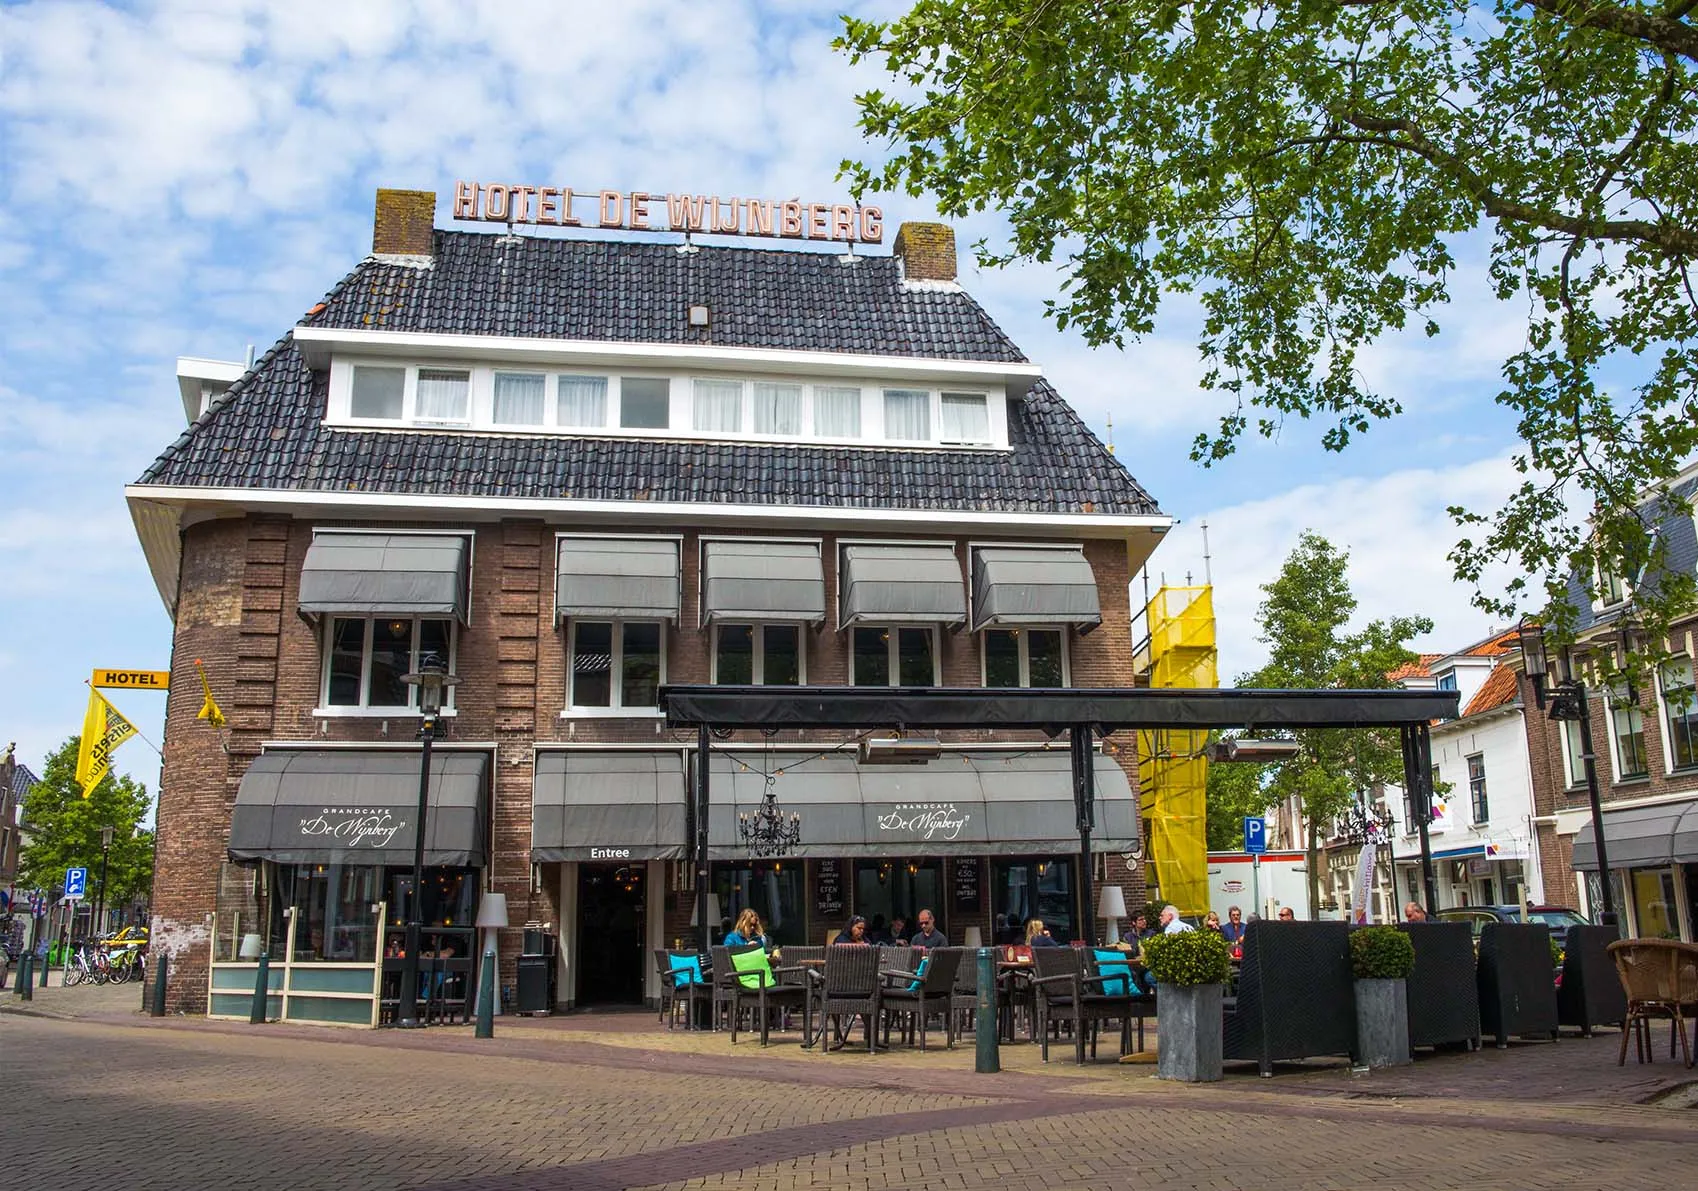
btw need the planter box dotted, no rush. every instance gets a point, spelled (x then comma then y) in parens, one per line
(1382, 1022)
(1188, 1029)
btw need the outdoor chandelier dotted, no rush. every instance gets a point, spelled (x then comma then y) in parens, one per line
(767, 832)
(1359, 825)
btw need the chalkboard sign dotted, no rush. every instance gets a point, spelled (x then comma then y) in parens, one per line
(966, 884)
(828, 888)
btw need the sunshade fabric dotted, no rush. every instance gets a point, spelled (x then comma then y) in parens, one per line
(383, 574)
(902, 584)
(608, 806)
(961, 804)
(1018, 585)
(1642, 837)
(633, 578)
(752, 580)
(352, 806)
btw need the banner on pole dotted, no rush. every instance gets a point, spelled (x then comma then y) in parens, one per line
(1362, 908)
(103, 731)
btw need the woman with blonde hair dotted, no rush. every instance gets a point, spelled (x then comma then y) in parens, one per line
(748, 930)
(1037, 935)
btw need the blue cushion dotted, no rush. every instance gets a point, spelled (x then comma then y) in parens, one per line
(919, 974)
(686, 969)
(1117, 967)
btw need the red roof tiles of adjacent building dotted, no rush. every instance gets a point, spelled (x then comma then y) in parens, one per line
(1497, 691)
(1415, 669)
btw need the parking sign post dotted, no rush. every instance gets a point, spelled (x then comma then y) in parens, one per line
(1255, 843)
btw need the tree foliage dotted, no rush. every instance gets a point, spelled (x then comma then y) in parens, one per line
(1307, 170)
(64, 831)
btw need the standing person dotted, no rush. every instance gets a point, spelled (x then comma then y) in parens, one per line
(1172, 923)
(855, 932)
(1232, 930)
(928, 936)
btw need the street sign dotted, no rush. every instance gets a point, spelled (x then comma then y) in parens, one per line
(76, 882)
(1255, 835)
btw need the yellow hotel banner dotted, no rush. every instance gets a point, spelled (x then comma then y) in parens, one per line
(103, 731)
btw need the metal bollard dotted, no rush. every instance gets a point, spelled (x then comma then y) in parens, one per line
(26, 976)
(45, 967)
(262, 991)
(986, 1058)
(486, 997)
(159, 973)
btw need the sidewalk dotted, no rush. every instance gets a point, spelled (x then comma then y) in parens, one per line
(81, 1000)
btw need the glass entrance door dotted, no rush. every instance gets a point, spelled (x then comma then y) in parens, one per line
(611, 934)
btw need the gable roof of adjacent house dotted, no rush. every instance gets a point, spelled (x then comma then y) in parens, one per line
(1673, 520)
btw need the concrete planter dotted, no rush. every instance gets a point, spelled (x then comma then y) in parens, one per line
(1382, 1022)
(1188, 1024)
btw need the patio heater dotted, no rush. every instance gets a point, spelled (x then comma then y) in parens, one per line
(432, 680)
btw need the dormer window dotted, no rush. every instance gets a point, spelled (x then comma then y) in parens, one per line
(444, 395)
(907, 414)
(521, 398)
(378, 392)
(965, 418)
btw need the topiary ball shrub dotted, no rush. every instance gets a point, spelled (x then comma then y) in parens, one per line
(1188, 958)
(1381, 953)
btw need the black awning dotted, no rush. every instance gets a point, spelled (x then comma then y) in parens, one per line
(960, 804)
(357, 806)
(386, 574)
(614, 805)
(1642, 837)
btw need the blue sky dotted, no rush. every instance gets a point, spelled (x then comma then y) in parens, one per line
(189, 178)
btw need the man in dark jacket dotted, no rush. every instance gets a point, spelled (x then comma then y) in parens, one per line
(928, 935)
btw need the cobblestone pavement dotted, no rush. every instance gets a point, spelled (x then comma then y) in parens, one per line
(587, 1104)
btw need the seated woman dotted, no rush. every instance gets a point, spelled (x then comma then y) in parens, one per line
(748, 930)
(1211, 921)
(855, 932)
(1037, 935)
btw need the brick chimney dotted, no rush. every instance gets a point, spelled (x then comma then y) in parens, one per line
(927, 251)
(404, 223)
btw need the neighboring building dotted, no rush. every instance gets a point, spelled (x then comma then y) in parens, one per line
(579, 469)
(1645, 744)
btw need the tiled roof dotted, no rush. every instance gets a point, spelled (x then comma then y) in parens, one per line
(267, 432)
(1497, 691)
(635, 292)
(1415, 669)
(1679, 534)
(23, 781)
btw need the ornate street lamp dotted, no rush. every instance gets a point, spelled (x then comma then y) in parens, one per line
(433, 681)
(1568, 704)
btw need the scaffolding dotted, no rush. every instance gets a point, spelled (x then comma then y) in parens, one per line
(1177, 650)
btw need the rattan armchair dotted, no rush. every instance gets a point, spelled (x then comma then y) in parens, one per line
(1066, 992)
(850, 987)
(779, 993)
(935, 994)
(1660, 978)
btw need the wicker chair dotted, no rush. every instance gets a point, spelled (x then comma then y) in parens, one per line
(964, 1003)
(767, 996)
(672, 994)
(1067, 993)
(850, 987)
(935, 994)
(1660, 977)
(724, 980)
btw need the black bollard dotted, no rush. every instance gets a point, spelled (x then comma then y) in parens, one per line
(159, 971)
(262, 991)
(486, 997)
(26, 976)
(986, 1058)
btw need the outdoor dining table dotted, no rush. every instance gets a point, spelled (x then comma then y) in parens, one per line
(1013, 973)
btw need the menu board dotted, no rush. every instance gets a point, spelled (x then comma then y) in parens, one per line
(828, 888)
(966, 884)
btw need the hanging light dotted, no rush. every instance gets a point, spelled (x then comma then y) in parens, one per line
(768, 832)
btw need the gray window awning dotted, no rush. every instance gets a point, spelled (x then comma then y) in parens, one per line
(608, 806)
(1021, 585)
(355, 806)
(631, 578)
(961, 804)
(385, 574)
(902, 584)
(1642, 837)
(752, 580)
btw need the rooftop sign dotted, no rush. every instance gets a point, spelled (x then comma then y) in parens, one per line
(640, 211)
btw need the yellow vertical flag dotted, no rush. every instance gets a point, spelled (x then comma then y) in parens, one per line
(209, 710)
(103, 731)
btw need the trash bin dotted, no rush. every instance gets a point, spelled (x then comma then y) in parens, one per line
(536, 993)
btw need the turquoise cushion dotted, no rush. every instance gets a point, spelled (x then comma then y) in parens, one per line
(756, 969)
(1116, 966)
(919, 974)
(686, 969)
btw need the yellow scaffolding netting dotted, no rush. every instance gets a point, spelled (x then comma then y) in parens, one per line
(1173, 775)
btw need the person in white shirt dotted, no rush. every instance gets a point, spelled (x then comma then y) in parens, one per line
(1172, 923)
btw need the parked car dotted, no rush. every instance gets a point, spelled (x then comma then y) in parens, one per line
(1559, 919)
(1477, 916)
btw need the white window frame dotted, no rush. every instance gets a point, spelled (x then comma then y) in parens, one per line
(892, 651)
(1572, 756)
(1663, 710)
(1025, 652)
(1609, 590)
(1474, 795)
(758, 661)
(326, 639)
(984, 399)
(1615, 701)
(616, 675)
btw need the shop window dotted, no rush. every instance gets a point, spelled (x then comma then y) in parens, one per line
(366, 659)
(1025, 658)
(773, 889)
(615, 664)
(1627, 736)
(1654, 912)
(1025, 889)
(758, 655)
(1680, 713)
(333, 911)
(581, 401)
(377, 392)
(645, 403)
(837, 411)
(894, 657)
(965, 418)
(1477, 801)
(907, 415)
(444, 395)
(887, 888)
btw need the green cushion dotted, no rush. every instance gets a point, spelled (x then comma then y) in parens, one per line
(756, 969)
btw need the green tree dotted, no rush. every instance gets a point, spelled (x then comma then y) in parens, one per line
(65, 831)
(1304, 618)
(1306, 171)
(1235, 792)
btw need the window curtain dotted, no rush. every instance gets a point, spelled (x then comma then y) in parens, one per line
(582, 400)
(907, 414)
(719, 406)
(442, 395)
(837, 412)
(965, 418)
(519, 398)
(778, 408)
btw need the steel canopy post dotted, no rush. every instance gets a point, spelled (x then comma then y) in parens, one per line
(407, 1016)
(704, 938)
(1084, 804)
(1424, 775)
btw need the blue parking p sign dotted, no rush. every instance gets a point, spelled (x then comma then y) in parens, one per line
(76, 882)
(1255, 835)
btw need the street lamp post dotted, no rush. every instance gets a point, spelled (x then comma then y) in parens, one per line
(1568, 703)
(106, 834)
(432, 680)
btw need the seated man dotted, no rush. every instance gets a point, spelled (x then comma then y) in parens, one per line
(1172, 923)
(928, 936)
(1412, 912)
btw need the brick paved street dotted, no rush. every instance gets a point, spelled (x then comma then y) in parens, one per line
(600, 1103)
